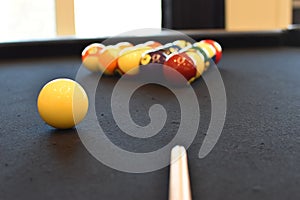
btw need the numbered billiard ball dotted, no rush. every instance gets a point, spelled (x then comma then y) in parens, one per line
(182, 43)
(90, 56)
(108, 59)
(169, 48)
(208, 48)
(153, 44)
(129, 59)
(217, 47)
(62, 103)
(184, 67)
(123, 45)
(199, 62)
(202, 52)
(154, 56)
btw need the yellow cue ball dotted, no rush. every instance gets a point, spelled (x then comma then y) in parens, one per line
(62, 103)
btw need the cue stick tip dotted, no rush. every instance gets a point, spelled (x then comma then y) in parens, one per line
(179, 186)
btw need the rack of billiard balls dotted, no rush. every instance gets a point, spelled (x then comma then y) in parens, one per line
(190, 60)
(63, 103)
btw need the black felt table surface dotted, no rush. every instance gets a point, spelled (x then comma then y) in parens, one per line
(256, 157)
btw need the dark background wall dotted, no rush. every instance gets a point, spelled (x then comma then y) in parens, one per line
(296, 16)
(193, 14)
(200, 14)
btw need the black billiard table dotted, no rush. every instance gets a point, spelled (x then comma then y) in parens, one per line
(256, 157)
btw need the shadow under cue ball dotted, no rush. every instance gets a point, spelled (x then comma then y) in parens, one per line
(62, 103)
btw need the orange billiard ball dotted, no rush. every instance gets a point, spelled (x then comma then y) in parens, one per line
(90, 56)
(108, 59)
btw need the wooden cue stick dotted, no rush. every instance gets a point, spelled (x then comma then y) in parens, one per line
(179, 185)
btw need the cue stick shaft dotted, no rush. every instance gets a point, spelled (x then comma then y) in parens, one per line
(179, 184)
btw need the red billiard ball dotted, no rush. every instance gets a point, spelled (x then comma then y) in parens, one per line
(183, 65)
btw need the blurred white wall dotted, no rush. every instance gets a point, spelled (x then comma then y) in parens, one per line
(111, 17)
(27, 19)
